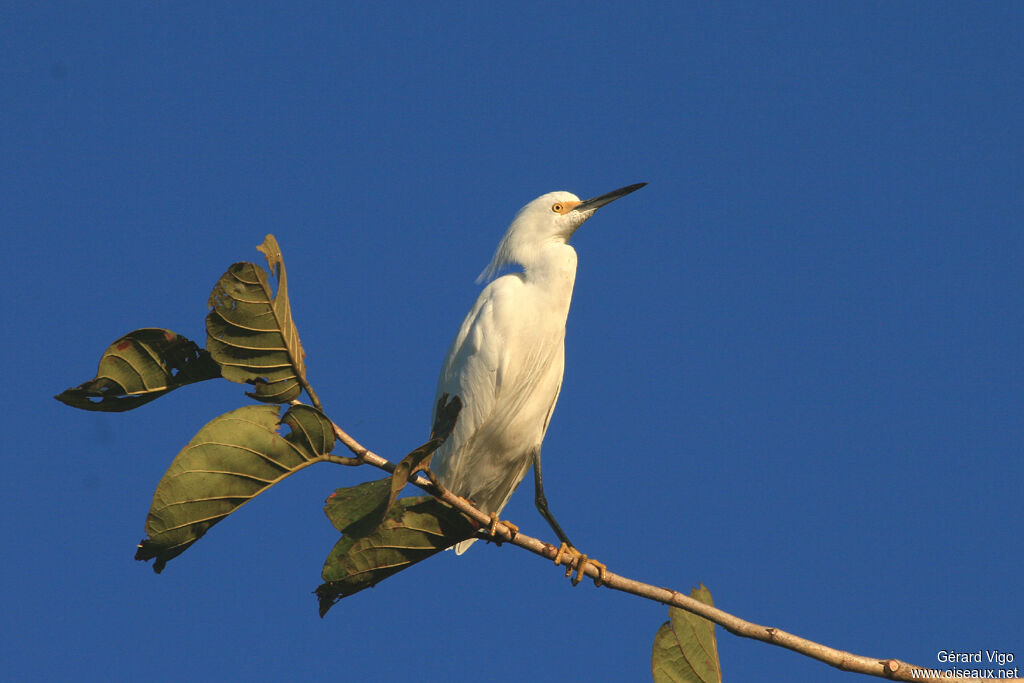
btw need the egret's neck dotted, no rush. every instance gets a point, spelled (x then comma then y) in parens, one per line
(553, 269)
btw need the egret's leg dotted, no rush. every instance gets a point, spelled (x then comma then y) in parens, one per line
(568, 555)
(541, 500)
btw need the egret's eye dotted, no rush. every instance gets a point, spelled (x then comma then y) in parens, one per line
(557, 208)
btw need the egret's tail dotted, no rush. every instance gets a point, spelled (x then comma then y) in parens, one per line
(463, 546)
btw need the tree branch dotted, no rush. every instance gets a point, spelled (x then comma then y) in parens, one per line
(892, 669)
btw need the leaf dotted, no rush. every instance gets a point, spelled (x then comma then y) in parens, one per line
(357, 510)
(230, 461)
(419, 459)
(685, 648)
(141, 366)
(250, 331)
(413, 530)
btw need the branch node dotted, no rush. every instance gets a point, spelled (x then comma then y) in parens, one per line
(429, 474)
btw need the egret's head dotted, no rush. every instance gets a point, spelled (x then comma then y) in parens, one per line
(550, 218)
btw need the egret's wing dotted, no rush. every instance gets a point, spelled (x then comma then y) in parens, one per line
(506, 368)
(560, 359)
(472, 371)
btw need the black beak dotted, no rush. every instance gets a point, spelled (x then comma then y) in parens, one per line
(598, 202)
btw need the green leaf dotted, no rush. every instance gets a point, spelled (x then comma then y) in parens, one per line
(139, 367)
(418, 460)
(250, 331)
(230, 461)
(413, 530)
(685, 648)
(357, 510)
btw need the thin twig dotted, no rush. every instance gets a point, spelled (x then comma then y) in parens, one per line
(892, 669)
(343, 460)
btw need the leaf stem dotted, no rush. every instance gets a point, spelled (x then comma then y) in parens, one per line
(342, 460)
(309, 392)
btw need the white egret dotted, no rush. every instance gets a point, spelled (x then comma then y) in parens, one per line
(507, 360)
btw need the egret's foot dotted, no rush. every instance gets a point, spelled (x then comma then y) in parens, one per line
(576, 561)
(492, 529)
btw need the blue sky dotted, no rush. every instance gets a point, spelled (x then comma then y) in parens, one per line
(794, 360)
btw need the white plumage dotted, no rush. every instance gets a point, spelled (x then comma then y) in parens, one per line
(507, 360)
